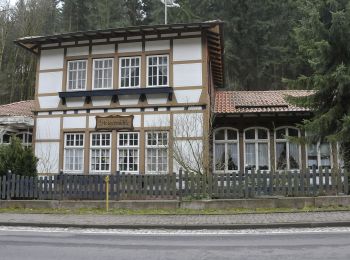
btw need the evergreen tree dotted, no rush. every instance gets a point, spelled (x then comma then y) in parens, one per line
(323, 38)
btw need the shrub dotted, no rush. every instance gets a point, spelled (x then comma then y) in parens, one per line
(17, 158)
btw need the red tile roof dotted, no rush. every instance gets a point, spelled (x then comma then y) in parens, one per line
(257, 101)
(21, 108)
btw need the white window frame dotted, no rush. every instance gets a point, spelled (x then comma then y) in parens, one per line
(120, 72)
(76, 79)
(257, 141)
(25, 137)
(73, 147)
(129, 147)
(157, 56)
(100, 147)
(157, 147)
(226, 142)
(93, 73)
(318, 146)
(287, 148)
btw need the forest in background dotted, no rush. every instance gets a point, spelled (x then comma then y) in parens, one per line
(260, 44)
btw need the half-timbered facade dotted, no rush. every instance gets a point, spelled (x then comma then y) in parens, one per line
(134, 100)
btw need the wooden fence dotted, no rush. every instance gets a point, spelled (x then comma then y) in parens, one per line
(182, 185)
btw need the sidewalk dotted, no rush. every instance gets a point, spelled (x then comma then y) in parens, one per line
(239, 221)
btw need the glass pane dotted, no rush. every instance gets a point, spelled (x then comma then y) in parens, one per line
(281, 156)
(312, 156)
(232, 160)
(293, 132)
(263, 159)
(219, 157)
(325, 154)
(220, 135)
(294, 156)
(262, 134)
(231, 134)
(250, 156)
(250, 134)
(280, 133)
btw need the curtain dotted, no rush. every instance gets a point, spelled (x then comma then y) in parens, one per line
(281, 155)
(232, 161)
(325, 152)
(263, 159)
(293, 156)
(219, 157)
(312, 155)
(250, 156)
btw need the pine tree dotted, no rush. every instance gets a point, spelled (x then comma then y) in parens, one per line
(323, 38)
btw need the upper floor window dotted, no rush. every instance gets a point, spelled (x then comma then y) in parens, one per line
(77, 75)
(256, 149)
(226, 150)
(287, 152)
(129, 72)
(103, 73)
(319, 155)
(158, 70)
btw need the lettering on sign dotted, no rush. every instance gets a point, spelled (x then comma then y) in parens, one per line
(114, 122)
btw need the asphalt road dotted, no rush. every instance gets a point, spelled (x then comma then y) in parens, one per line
(28, 244)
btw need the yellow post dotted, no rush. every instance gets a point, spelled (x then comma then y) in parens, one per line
(107, 192)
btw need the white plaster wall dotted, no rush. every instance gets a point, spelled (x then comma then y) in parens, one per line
(129, 47)
(92, 121)
(155, 99)
(101, 101)
(48, 155)
(48, 128)
(51, 59)
(188, 125)
(102, 49)
(50, 82)
(157, 45)
(75, 102)
(77, 51)
(187, 74)
(49, 101)
(188, 96)
(74, 122)
(125, 100)
(156, 120)
(187, 49)
(189, 153)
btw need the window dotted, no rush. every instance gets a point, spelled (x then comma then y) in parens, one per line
(26, 138)
(100, 152)
(157, 152)
(287, 153)
(319, 155)
(256, 149)
(103, 73)
(129, 71)
(77, 75)
(73, 153)
(226, 150)
(6, 139)
(157, 72)
(128, 152)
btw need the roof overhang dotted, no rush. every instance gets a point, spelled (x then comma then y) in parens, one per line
(17, 121)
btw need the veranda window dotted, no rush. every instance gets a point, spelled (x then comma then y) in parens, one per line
(287, 153)
(256, 149)
(226, 150)
(157, 152)
(100, 152)
(128, 152)
(157, 70)
(319, 155)
(103, 73)
(129, 71)
(77, 75)
(74, 152)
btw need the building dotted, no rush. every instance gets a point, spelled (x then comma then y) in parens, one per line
(149, 99)
(17, 119)
(127, 99)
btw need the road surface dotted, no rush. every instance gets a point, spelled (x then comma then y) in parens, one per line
(45, 243)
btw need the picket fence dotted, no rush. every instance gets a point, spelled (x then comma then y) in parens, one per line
(182, 185)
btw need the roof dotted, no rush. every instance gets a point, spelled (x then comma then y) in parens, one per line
(21, 108)
(237, 102)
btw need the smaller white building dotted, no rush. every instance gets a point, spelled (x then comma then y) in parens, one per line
(17, 119)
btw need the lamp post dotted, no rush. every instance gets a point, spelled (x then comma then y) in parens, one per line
(168, 3)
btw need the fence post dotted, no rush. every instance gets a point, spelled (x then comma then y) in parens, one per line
(8, 185)
(60, 181)
(117, 183)
(107, 192)
(180, 184)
